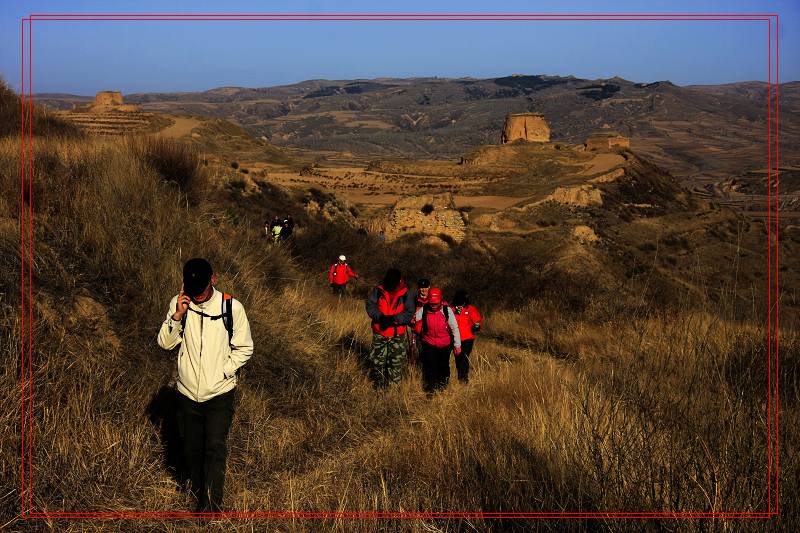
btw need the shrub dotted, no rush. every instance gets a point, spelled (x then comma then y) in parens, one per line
(234, 165)
(42, 123)
(427, 209)
(173, 161)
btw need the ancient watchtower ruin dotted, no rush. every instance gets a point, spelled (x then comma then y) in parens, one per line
(606, 141)
(526, 126)
(108, 101)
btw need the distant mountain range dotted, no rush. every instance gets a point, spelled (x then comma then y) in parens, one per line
(708, 130)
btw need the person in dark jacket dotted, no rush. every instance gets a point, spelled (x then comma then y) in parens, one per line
(421, 298)
(287, 227)
(390, 306)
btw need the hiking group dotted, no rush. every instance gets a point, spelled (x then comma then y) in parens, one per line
(419, 328)
(279, 229)
(213, 335)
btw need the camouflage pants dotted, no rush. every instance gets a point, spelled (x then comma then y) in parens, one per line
(387, 358)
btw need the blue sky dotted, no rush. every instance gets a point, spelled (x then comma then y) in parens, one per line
(84, 57)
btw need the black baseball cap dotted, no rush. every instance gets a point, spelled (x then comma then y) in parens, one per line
(196, 275)
(423, 282)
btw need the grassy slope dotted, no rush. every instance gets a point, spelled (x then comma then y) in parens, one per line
(596, 407)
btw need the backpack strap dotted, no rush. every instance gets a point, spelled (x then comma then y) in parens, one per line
(227, 314)
(445, 310)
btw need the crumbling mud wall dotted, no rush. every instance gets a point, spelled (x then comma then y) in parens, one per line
(525, 126)
(606, 142)
(434, 215)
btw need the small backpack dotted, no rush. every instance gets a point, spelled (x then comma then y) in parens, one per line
(226, 314)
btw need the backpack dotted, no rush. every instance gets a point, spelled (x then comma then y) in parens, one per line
(226, 314)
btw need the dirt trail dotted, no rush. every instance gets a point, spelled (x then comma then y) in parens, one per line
(491, 202)
(602, 163)
(182, 126)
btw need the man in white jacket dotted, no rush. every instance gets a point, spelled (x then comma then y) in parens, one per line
(215, 341)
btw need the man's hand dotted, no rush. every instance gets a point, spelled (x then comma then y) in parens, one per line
(181, 306)
(386, 321)
(476, 327)
(457, 351)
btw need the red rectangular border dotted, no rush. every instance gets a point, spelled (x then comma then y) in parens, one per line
(26, 379)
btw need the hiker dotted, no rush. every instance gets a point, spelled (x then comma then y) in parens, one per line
(438, 330)
(267, 228)
(214, 337)
(423, 288)
(276, 234)
(469, 324)
(276, 221)
(287, 226)
(339, 274)
(391, 307)
(421, 298)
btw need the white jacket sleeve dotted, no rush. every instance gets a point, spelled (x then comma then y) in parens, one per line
(453, 323)
(241, 342)
(169, 336)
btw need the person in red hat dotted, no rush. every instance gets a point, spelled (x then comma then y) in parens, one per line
(438, 330)
(469, 324)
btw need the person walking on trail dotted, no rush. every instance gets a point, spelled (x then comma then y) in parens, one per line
(276, 234)
(438, 330)
(469, 324)
(423, 288)
(287, 227)
(339, 274)
(214, 337)
(420, 299)
(390, 305)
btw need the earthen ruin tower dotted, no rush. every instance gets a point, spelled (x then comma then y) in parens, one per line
(108, 98)
(606, 141)
(526, 126)
(106, 101)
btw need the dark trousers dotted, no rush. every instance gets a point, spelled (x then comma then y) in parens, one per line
(435, 367)
(340, 289)
(462, 361)
(204, 429)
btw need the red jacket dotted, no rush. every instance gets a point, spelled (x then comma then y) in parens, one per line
(468, 316)
(340, 274)
(397, 303)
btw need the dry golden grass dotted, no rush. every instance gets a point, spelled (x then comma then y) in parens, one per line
(597, 410)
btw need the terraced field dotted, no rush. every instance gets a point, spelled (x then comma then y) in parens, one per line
(115, 123)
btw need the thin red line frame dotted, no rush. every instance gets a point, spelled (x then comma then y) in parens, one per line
(26, 378)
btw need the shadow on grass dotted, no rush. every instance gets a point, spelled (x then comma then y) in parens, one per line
(163, 414)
